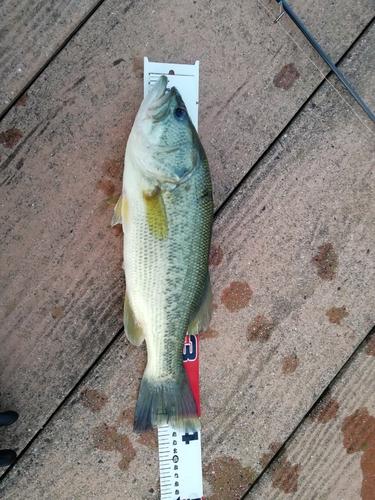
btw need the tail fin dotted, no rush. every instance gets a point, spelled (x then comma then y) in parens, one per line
(169, 402)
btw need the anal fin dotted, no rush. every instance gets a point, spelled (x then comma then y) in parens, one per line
(202, 315)
(133, 330)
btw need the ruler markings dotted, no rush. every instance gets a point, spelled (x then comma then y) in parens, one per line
(180, 461)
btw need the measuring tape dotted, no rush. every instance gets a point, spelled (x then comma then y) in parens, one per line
(180, 458)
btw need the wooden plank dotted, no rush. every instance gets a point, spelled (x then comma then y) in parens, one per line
(30, 33)
(332, 454)
(61, 158)
(293, 274)
(306, 211)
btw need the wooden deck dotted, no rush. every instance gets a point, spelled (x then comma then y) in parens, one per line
(288, 364)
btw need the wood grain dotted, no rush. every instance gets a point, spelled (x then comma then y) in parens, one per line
(62, 282)
(314, 188)
(30, 33)
(334, 448)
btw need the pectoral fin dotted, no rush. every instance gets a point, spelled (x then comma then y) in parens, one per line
(156, 214)
(117, 217)
(133, 330)
(202, 316)
(112, 201)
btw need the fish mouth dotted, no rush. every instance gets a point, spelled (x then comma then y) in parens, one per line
(157, 92)
(159, 100)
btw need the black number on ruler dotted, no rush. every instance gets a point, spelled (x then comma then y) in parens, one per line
(200, 498)
(190, 437)
(190, 349)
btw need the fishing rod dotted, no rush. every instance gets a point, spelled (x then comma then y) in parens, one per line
(318, 48)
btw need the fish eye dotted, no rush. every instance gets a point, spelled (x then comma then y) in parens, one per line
(180, 113)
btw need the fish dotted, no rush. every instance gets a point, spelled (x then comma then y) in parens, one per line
(166, 212)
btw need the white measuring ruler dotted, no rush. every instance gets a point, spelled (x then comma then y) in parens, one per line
(180, 458)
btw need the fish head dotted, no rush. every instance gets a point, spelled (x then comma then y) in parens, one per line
(165, 135)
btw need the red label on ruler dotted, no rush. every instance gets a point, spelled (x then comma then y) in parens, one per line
(191, 364)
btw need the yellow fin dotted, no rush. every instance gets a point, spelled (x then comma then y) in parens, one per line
(155, 213)
(202, 315)
(125, 212)
(117, 217)
(121, 209)
(113, 200)
(133, 330)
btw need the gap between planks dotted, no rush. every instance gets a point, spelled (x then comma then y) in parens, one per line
(26, 87)
(282, 448)
(107, 348)
(218, 210)
(227, 199)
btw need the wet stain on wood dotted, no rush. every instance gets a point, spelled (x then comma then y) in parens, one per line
(58, 312)
(93, 399)
(116, 230)
(228, 478)
(107, 186)
(336, 314)
(286, 76)
(359, 435)
(138, 67)
(326, 261)
(358, 431)
(266, 457)
(370, 345)
(10, 137)
(216, 256)
(22, 100)
(149, 439)
(126, 416)
(260, 329)
(107, 438)
(113, 168)
(111, 184)
(285, 475)
(290, 364)
(210, 333)
(236, 296)
(326, 410)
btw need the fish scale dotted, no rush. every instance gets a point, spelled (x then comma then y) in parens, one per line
(183, 277)
(166, 212)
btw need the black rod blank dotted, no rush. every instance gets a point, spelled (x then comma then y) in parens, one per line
(321, 52)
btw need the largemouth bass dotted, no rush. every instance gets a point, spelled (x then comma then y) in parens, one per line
(166, 211)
